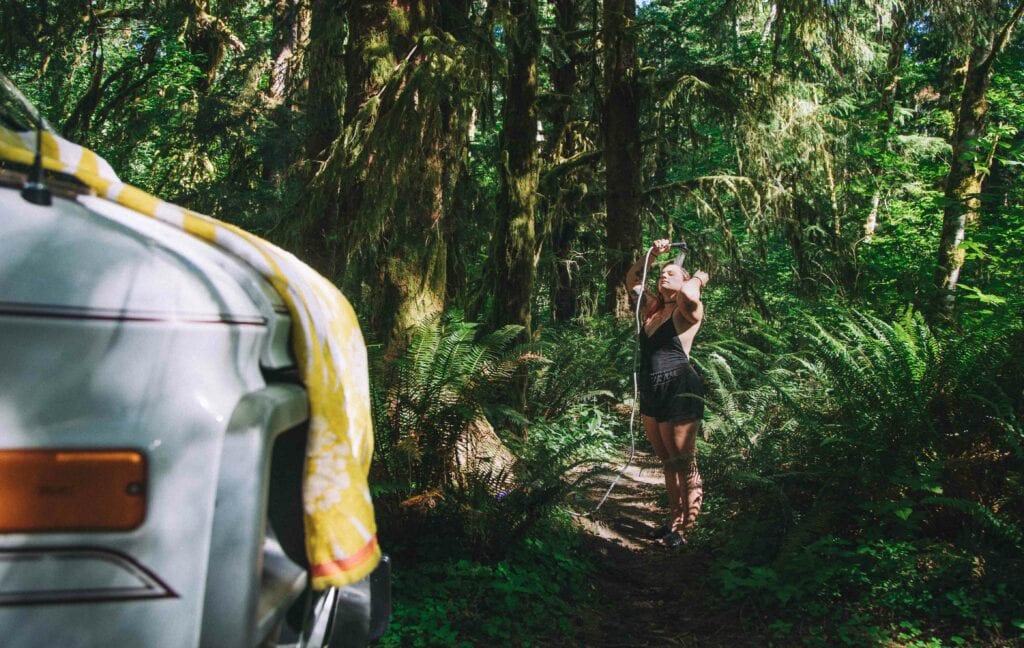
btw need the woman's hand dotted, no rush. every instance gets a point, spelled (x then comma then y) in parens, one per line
(635, 273)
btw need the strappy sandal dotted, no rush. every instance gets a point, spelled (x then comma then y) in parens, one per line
(658, 533)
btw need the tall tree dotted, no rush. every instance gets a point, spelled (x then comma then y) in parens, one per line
(622, 154)
(291, 35)
(897, 41)
(515, 231)
(208, 37)
(963, 183)
(321, 227)
(291, 24)
(326, 96)
(411, 82)
(562, 143)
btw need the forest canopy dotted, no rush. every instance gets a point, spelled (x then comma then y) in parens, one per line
(520, 154)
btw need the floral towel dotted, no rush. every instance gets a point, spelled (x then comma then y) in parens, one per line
(341, 541)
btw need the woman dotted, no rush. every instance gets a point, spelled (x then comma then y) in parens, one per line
(671, 391)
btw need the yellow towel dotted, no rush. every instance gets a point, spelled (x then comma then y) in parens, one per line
(341, 541)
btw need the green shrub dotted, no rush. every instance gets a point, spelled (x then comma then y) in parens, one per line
(442, 599)
(853, 477)
(453, 383)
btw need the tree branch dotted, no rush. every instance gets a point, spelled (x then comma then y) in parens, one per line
(1004, 35)
(557, 171)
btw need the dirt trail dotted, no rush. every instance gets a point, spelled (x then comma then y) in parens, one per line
(648, 595)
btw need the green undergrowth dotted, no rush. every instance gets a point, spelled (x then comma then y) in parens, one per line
(863, 476)
(468, 489)
(441, 597)
(863, 480)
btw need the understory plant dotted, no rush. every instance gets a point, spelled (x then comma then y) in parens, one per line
(448, 461)
(467, 503)
(853, 472)
(531, 597)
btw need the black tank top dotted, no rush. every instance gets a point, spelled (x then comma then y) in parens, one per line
(662, 351)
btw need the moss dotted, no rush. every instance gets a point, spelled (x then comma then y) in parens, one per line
(399, 21)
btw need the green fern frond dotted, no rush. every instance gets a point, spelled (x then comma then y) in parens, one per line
(988, 520)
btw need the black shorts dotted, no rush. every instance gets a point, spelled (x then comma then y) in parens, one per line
(673, 396)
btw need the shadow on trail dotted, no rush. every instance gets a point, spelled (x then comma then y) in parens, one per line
(647, 594)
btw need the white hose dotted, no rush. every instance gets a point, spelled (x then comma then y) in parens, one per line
(636, 392)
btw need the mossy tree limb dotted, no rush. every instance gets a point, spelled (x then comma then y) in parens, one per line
(963, 183)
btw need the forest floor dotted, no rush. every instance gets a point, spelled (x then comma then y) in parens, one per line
(648, 594)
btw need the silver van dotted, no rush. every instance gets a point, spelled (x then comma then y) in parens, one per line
(152, 434)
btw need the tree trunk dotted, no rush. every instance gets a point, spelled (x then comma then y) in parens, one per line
(622, 155)
(411, 288)
(514, 234)
(321, 229)
(897, 43)
(208, 38)
(105, 95)
(466, 293)
(778, 25)
(415, 265)
(406, 139)
(326, 97)
(794, 228)
(291, 34)
(963, 183)
(563, 289)
(77, 125)
(563, 208)
(291, 39)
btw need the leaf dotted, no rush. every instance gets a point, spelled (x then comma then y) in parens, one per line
(984, 298)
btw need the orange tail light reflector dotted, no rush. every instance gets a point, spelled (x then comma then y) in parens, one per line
(71, 490)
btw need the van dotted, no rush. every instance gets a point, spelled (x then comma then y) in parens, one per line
(152, 439)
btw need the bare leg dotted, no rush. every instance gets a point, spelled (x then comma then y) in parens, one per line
(654, 435)
(673, 476)
(680, 441)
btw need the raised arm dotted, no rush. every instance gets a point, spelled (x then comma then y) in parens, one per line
(688, 299)
(636, 272)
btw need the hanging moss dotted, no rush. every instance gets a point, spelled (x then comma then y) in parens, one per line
(398, 20)
(402, 143)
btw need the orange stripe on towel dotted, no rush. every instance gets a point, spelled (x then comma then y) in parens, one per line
(345, 564)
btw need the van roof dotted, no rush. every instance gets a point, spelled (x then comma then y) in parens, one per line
(93, 258)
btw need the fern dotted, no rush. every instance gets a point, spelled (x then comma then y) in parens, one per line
(984, 517)
(425, 401)
(452, 380)
(854, 422)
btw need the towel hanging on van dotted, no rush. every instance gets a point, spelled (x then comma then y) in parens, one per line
(341, 540)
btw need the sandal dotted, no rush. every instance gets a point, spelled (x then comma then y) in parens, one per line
(659, 532)
(673, 540)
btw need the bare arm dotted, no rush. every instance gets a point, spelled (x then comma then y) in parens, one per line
(636, 272)
(688, 299)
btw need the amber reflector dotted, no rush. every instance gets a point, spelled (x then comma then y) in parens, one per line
(71, 490)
